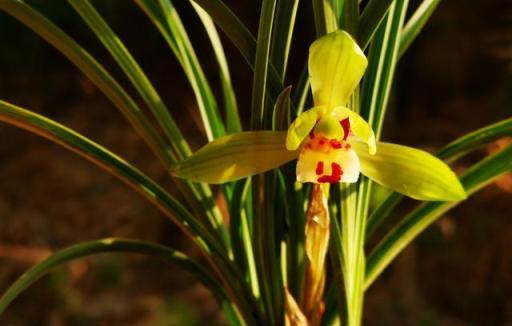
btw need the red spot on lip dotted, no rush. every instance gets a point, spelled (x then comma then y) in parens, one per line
(335, 176)
(336, 169)
(322, 141)
(311, 135)
(345, 124)
(329, 179)
(319, 167)
(347, 146)
(335, 144)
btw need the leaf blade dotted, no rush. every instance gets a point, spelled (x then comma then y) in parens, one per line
(241, 38)
(109, 245)
(369, 21)
(233, 123)
(449, 153)
(418, 220)
(416, 24)
(93, 70)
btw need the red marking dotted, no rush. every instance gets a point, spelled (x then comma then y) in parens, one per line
(335, 144)
(322, 141)
(345, 123)
(319, 168)
(311, 135)
(335, 176)
(329, 179)
(347, 146)
(336, 169)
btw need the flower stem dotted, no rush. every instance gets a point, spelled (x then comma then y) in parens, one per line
(317, 234)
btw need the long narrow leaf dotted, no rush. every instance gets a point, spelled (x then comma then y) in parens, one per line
(327, 14)
(349, 19)
(282, 35)
(134, 72)
(233, 123)
(259, 112)
(139, 79)
(448, 153)
(241, 235)
(170, 26)
(416, 23)
(417, 221)
(92, 69)
(208, 108)
(370, 19)
(109, 245)
(211, 247)
(241, 38)
(115, 165)
(381, 67)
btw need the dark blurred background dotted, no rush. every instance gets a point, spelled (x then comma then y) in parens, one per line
(457, 77)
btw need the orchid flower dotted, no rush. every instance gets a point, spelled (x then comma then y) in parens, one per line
(332, 143)
(325, 132)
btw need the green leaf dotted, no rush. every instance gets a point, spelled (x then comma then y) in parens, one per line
(282, 34)
(241, 38)
(236, 156)
(134, 72)
(260, 113)
(349, 19)
(208, 108)
(327, 14)
(381, 68)
(449, 153)
(109, 245)
(112, 163)
(410, 171)
(93, 70)
(474, 179)
(370, 19)
(241, 235)
(416, 24)
(233, 123)
(281, 115)
(476, 139)
(147, 91)
(336, 65)
(301, 93)
(211, 247)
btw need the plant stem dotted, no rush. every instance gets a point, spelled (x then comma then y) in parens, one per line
(316, 245)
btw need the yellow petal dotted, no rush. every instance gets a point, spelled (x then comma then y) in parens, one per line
(235, 156)
(358, 126)
(336, 65)
(301, 127)
(412, 172)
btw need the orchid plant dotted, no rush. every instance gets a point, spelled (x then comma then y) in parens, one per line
(291, 246)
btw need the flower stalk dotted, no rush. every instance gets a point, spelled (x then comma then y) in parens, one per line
(316, 244)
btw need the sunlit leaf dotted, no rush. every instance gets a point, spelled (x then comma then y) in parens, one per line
(281, 114)
(474, 179)
(109, 245)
